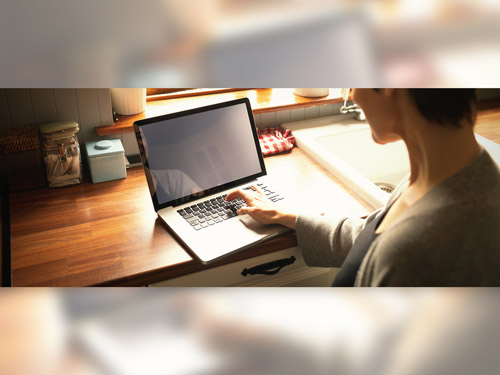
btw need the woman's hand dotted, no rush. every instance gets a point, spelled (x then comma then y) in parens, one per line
(261, 209)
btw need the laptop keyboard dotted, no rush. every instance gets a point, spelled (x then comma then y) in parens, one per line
(216, 210)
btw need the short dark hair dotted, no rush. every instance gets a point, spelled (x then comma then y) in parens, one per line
(446, 106)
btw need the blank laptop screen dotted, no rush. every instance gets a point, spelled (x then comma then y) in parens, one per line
(193, 153)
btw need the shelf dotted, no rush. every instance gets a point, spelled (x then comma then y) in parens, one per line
(262, 101)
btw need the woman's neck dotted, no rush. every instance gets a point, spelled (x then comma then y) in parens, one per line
(437, 152)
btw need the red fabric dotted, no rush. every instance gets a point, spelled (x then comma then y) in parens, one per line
(275, 140)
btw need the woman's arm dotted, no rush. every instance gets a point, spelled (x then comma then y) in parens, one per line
(324, 241)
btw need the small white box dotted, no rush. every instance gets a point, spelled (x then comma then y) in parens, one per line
(106, 160)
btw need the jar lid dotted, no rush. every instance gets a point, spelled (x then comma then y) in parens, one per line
(59, 126)
(103, 145)
(104, 148)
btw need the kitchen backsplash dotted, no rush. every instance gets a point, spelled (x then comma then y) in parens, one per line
(92, 107)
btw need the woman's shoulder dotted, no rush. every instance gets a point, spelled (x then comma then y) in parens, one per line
(451, 230)
(479, 180)
(440, 248)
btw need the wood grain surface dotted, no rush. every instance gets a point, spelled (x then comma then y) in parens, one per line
(109, 234)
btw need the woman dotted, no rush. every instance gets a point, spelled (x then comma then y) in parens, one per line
(441, 225)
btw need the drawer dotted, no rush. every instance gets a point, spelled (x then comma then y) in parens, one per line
(295, 274)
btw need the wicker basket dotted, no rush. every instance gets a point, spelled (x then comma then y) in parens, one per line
(21, 139)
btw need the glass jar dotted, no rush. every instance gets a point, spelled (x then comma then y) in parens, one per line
(61, 153)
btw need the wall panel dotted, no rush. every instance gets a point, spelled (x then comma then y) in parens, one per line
(90, 117)
(106, 113)
(20, 107)
(4, 111)
(44, 105)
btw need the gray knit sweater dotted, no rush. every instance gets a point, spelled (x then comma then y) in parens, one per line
(450, 237)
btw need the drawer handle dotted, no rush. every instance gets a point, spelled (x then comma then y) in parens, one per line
(270, 268)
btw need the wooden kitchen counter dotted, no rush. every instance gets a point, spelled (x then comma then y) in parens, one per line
(108, 233)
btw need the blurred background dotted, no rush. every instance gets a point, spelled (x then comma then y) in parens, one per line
(249, 331)
(242, 43)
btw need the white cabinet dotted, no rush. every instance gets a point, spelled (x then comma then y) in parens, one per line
(295, 274)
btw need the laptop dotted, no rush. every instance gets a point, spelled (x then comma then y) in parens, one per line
(192, 160)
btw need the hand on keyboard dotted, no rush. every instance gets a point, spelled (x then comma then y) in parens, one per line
(261, 208)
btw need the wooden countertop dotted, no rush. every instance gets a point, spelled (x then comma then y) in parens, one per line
(109, 234)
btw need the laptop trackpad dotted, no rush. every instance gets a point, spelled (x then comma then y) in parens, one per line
(255, 226)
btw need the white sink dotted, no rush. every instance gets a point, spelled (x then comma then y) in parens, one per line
(345, 147)
(386, 164)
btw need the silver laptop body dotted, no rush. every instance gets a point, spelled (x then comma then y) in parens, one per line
(192, 157)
